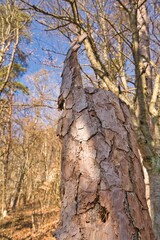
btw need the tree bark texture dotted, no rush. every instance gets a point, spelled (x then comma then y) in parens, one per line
(103, 192)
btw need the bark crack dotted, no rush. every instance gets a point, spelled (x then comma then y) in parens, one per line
(136, 235)
(76, 197)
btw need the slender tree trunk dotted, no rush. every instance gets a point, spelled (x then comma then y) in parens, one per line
(22, 172)
(103, 192)
(18, 189)
(155, 201)
(144, 41)
(7, 157)
(4, 207)
(149, 141)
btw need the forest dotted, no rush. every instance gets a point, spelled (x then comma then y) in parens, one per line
(80, 119)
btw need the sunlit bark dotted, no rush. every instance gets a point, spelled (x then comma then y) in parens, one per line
(103, 192)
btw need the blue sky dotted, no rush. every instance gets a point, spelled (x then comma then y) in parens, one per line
(40, 49)
(41, 41)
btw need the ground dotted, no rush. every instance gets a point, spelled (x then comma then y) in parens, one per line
(30, 224)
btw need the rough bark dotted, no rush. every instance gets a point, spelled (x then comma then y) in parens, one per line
(103, 192)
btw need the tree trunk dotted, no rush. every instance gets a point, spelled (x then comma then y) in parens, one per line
(154, 201)
(150, 142)
(5, 170)
(18, 189)
(103, 193)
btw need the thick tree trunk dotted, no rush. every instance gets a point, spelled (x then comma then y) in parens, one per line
(103, 193)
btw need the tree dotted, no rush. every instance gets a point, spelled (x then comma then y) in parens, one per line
(14, 25)
(34, 156)
(102, 187)
(120, 46)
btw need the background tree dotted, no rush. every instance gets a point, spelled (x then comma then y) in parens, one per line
(33, 167)
(26, 125)
(14, 25)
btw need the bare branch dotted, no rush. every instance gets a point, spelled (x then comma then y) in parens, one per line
(124, 7)
(51, 28)
(37, 9)
(141, 4)
(119, 33)
(88, 77)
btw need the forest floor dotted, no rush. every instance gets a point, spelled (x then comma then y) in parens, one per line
(30, 224)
